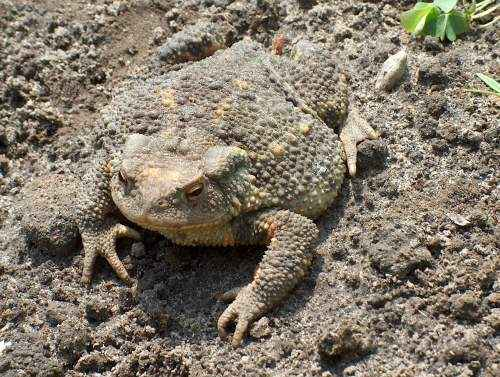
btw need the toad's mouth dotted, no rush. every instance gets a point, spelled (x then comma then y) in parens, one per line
(148, 223)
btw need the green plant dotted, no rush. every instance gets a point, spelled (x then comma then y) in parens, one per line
(442, 19)
(491, 82)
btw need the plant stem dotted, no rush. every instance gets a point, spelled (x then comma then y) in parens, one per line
(486, 12)
(483, 4)
(496, 19)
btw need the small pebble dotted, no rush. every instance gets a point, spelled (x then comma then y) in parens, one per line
(458, 219)
(392, 71)
(158, 35)
(138, 249)
(261, 329)
(4, 345)
(116, 8)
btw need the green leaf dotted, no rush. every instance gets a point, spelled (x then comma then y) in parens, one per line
(450, 33)
(431, 23)
(450, 25)
(491, 82)
(440, 31)
(420, 19)
(456, 24)
(446, 5)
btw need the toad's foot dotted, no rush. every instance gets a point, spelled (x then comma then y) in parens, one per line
(100, 239)
(355, 130)
(284, 264)
(244, 310)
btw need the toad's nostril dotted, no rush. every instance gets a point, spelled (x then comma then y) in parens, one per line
(161, 203)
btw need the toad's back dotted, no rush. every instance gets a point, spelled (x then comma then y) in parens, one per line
(241, 97)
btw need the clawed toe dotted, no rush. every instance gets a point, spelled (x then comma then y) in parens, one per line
(121, 231)
(355, 130)
(240, 332)
(228, 296)
(242, 312)
(226, 319)
(102, 241)
(117, 265)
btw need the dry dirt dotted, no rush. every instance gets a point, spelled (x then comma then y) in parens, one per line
(405, 282)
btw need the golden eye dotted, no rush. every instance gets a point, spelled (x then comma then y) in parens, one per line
(194, 191)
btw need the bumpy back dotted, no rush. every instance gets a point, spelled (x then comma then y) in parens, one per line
(239, 97)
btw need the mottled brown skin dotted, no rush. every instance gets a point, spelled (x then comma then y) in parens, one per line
(234, 149)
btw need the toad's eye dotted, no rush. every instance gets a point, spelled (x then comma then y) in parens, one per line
(195, 190)
(122, 177)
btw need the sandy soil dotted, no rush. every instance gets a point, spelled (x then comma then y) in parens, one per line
(405, 282)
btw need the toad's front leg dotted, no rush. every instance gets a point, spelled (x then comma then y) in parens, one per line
(284, 264)
(98, 229)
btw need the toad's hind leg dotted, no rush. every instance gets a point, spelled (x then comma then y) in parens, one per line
(316, 78)
(355, 130)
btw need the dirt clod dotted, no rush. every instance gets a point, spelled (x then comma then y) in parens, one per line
(346, 342)
(401, 262)
(261, 328)
(48, 217)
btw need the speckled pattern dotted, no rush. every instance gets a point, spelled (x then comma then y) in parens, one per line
(229, 150)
